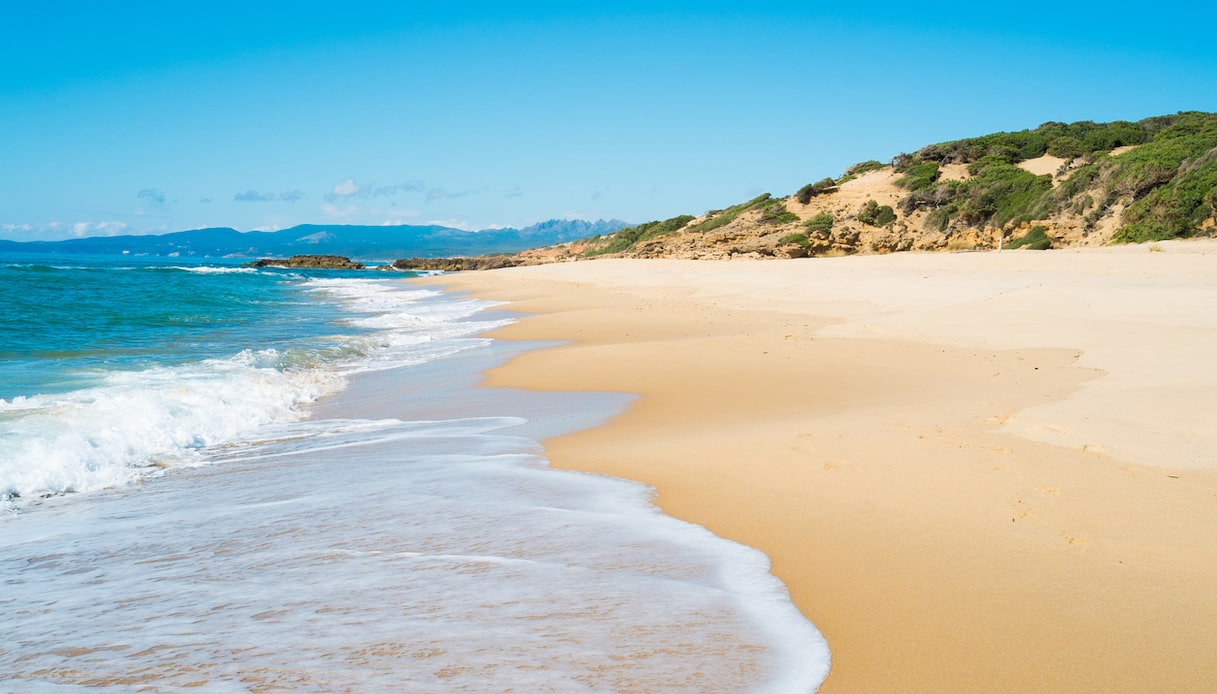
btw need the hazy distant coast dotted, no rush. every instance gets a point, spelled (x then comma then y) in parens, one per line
(384, 243)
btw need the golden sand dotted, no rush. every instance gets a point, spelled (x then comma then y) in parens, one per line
(974, 472)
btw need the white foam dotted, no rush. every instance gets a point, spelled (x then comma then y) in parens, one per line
(108, 435)
(135, 423)
(215, 269)
(380, 555)
(410, 325)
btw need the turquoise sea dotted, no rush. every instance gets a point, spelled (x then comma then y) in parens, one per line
(224, 479)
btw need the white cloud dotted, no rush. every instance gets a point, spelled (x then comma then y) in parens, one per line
(442, 194)
(57, 231)
(347, 188)
(350, 188)
(461, 224)
(291, 196)
(82, 229)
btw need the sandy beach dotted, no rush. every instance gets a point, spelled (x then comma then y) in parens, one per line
(974, 472)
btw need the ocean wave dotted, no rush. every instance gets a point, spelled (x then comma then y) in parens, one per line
(404, 325)
(140, 421)
(133, 423)
(214, 269)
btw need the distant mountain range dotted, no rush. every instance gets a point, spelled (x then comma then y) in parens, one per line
(361, 242)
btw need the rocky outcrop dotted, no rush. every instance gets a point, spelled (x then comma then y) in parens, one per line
(484, 262)
(318, 262)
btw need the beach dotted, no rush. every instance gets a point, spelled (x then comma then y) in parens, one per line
(973, 471)
(305, 488)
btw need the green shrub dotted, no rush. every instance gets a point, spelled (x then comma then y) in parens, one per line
(809, 191)
(1000, 193)
(1082, 204)
(1166, 180)
(901, 162)
(919, 175)
(863, 167)
(939, 219)
(800, 239)
(1078, 182)
(1035, 240)
(820, 225)
(875, 215)
(1108, 136)
(1066, 147)
(1029, 144)
(624, 239)
(776, 213)
(1175, 210)
(725, 217)
(997, 194)
(978, 166)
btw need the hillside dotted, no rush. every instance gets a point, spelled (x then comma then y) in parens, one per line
(1059, 185)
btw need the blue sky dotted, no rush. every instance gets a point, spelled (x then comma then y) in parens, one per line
(141, 117)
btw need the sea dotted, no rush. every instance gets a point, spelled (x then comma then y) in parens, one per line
(217, 478)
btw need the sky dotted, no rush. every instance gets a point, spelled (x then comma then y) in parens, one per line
(150, 117)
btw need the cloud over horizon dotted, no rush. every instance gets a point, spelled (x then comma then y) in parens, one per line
(441, 194)
(154, 196)
(350, 188)
(291, 196)
(82, 229)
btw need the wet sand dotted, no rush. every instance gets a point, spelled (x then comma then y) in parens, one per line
(974, 472)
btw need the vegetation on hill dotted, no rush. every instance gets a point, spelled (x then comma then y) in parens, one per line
(858, 169)
(1059, 184)
(876, 215)
(626, 238)
(719, 218)
(1165, 182)
(809, 191)
(1034, 240)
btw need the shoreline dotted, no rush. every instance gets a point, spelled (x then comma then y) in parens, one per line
(935, 451)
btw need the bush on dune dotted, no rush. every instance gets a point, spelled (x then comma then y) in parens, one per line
(1034, 240)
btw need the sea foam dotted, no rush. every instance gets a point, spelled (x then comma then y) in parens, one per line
(389, 555)
(135, 422)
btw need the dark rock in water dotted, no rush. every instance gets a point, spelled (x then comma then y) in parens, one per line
(323, 262)
(484, 262)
